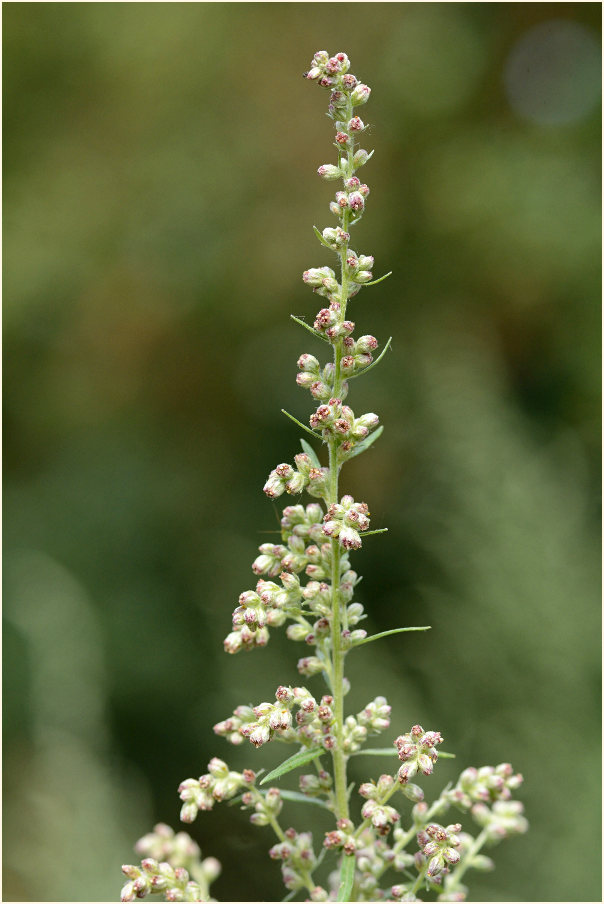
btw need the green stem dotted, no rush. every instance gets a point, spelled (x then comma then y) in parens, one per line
(466, 863)
(404, 840)
(339, 757)
(417, 884)
(306, 877)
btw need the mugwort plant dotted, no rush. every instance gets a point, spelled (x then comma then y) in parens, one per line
(386, 843)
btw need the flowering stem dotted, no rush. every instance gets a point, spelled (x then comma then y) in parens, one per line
(418, 882)
(339, 757)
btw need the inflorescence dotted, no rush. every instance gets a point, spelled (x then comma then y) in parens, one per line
(306, 583)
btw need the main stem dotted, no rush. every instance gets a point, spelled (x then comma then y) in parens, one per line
(339, 757)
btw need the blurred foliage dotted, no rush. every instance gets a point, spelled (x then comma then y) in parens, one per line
(159, 189)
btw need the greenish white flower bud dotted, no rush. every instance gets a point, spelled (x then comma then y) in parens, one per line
(360, 158)
(360, 95)
(329, 172)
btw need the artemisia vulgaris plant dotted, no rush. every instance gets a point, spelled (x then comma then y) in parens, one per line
(391, 844)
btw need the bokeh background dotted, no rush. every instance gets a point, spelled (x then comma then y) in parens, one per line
(159, 193)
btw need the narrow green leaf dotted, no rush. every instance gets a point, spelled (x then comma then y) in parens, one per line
(299, 423)
(445, 755)
(373, 363)
(303, 799)
(365, 443)
(376, 751)
(379, 530)
(346, 877)
(292, 762)
(321, 239)
(311, 329)
(387, 633)
(290, 895)
(311, 453)
(374, 282)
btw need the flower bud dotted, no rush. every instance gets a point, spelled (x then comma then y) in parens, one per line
(309, 364)
(366, 344)
(363, 276)
(356, 201)
(360, 95)
(413, 792)
(342, 138)
(329, 172)
(360, 158)
(356, 124)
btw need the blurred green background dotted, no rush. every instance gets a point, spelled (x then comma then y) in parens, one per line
(159, 193)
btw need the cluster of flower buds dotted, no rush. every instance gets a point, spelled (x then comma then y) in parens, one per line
(297, 856)
(266, 806)
(269, 604)
(303, 522)
(316, 785)
(504, 818)
(381, 815)
(260, 724)
(335, 419)
(342, 837)
(284, 478)
(358, 354)
(330, 323)
(332, 72)
(318, 382)
(373, 857)
(373, 719)
(217, 785)
(487, 784)
(344, 521)
(179, 850)
(438, 845)
(352, 199)
(153, 877)
(417, 750)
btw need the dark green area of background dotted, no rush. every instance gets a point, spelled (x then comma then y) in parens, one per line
(159, 192)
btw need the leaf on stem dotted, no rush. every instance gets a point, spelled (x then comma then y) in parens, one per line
(300, 798)
(292, 762)
(299, 423)
(373, 364)
(322, 240)
(387, 633)
(365, 443)
(374, 282)
(311, 453)
(346, 877)
(379, 530)
(311, 329)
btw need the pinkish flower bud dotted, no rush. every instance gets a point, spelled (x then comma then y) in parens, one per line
(356, 124)
(366, 344)
(363, 276)
(364, 189)
(349, 538)
(342, 138)
(356, 201)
